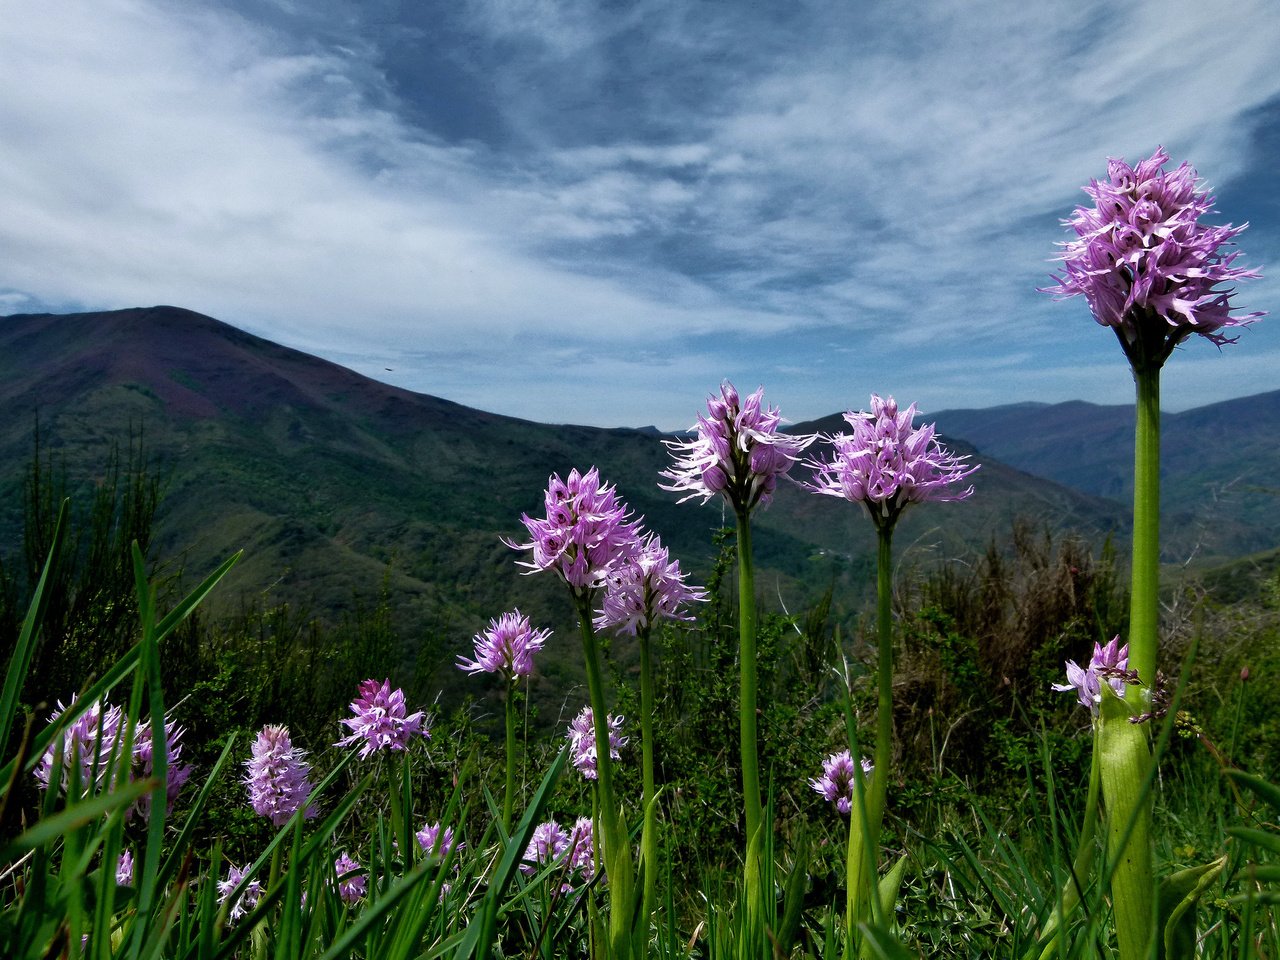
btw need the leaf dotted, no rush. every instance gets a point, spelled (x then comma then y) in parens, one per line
(793, 899)
(47, 829)
(1265, 790)
(1179, 893)
(889, 886)
(882, 944)
(1259, 838)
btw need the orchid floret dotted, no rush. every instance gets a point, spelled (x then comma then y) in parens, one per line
(1146, 264)
(379, 720)
(737, 452)
(506, 648)
(838, 778)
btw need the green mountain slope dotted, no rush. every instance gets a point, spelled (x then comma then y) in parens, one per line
(1219, 463)
(328, 480)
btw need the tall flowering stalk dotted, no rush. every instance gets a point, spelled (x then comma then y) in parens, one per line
(1153, 273)
(507, 649)
(647, 588)
(586, 533)
(886, 464)
(738, 453)
(277, 777)
(380, 723)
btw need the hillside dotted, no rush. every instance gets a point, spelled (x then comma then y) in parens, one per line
(1219, 463)
(329, 480)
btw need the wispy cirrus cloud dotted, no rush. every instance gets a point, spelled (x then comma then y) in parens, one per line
(627, 205)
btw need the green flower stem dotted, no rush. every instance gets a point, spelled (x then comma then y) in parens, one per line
(1144, 601)
(613, 828)
(509, 798)
(649, 831)
(864, 839)
(884, 681)
(1126, 760)
(752, 889)
(1126, 753)
(747, 677)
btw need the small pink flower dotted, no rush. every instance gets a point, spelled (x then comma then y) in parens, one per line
(582, 741)
(507, 647)
(378, 719)
(431, 835)
(738, 452)
(353, 881)
(837, 780)
(1109, 664)
(248, 896)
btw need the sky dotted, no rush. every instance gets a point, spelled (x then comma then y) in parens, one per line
(594, 212)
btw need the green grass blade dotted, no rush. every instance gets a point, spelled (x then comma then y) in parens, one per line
(20, 662)
(51, 827)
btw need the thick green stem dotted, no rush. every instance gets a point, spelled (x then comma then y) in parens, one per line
(509, 798)
(613, 834)
(1144, 607)
(1126, 752)
(864, 845)
(649, 832)
(747, 678)
(884, 681)
(753, 934)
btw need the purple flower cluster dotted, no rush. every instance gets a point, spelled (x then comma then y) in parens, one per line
(582, 848)
(277, 777)
(89, 742)
(93, 741)
(248, 898)
(586, 530)
(378, 718)
(886, 464)
(124, 869)
(582, 740)
(353, 882)
(552, 843)
(177, 773)
(647, 586)
(547, 845)
(431, 834)
(738, 452)
(507, 647)
(1109, 664)
(837, 780)
(1144, 262)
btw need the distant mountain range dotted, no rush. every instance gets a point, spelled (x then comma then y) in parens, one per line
(1220, 485)
(331, 481)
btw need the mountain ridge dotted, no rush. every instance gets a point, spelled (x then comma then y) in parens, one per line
(333, 481)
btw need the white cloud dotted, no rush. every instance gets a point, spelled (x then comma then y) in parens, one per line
(671, 195)
(220, 173)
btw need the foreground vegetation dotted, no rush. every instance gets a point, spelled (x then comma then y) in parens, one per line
(987, 814)
(990, 766)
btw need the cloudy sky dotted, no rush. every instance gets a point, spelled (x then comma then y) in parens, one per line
(592, 212)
